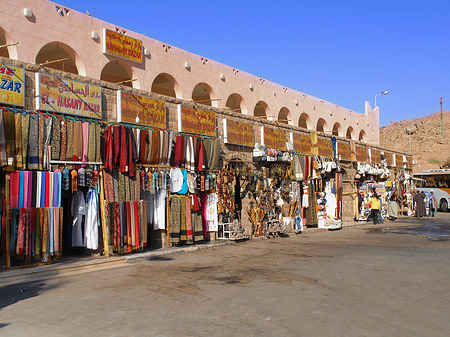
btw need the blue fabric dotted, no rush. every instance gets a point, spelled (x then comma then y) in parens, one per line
(184, 188)
(14, 229)
(42, 189)
(59, 190)
(21, 187)
(334, 142)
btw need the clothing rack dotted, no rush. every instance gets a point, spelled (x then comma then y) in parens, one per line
(75, 162)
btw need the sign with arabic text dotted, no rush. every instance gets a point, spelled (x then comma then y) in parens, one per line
(274, 138)
(238, 133)
(361, 153)
(12, 85)
(344, 151)
(302, 143)
(68, 96)
(409, 162)
(138, 109)
(325, 147)
(314, 144)
(199, 121)
(399, 160)
(122, 46)
(389, 158)
(375, 156)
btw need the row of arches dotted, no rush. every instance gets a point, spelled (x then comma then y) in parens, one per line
(117, 71)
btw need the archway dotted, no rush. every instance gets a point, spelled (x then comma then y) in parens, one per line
(203, 94)
(3, 51)
(55, 51)
(350, 133)
(261, 109)
(337, 129)
(321, 125)
(236, 103)
(304, 121)
(284, 116)
(116, 72)
(362, 135)
(165, 84)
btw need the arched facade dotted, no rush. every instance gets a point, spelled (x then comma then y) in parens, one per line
(337, 129)
(285, 116)
(165, 84)
(117, 72)
(321, 125)
(362, 135)
(304, 121)
(350, 133)
(261, 110)
(58, 55)
(236, 103)
(204, 94)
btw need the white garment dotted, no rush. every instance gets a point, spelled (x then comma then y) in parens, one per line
(305, 198)
(176, 180)
(160, 209)
(91, 226)
(78, 210)
(211, 213)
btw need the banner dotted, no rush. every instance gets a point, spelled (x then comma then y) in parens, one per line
(361, 153)
(409, 162)
(12, 85)
(399, 160)
(197, 121)
(274, 138)
(325, 147)
(238, 133)
(389, 158)
(68, 96)
(137, 109)
(302, 143)
(344, 151)
(376, 156)
(122, 46)
(314, 144)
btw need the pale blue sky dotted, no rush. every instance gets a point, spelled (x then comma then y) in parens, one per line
(342, 51)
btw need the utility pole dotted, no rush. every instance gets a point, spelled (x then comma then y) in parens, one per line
(442, 122)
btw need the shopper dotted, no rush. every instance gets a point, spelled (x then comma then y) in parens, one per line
(420, 206)
(375, 206)
(432, 203)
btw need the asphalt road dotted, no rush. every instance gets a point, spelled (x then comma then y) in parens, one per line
(384, 280)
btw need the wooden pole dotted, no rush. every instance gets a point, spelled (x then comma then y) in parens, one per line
(8, 222)
(103, 216)
(168, 222)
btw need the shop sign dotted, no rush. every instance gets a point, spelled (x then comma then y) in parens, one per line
(238, 133)
(325, 147)
(138, 109)
(409, 162)
(361, 153)
(199, 121)
(274, 138)
(302, 143)
(389, 158)
(344, 151)
(68, 96)
(12, 85)
(398, 160)
(314, 143)
(122, 46)
(376, 156)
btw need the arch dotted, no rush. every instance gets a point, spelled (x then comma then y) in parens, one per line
(321, 125)
(362, 135)
(57, 50)
(236, 103)
(261, 109)
(285, 116)
(350, 133)
(116, 71)
(304, 121)
(337, 130)
(204, 94)
(165, 84)
(10, 51)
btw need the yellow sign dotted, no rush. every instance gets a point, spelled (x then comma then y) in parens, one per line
(274, 139)
(302, 143)
(122, 46)
(197, 121)
(314, 144)
(325, 147)
(239, 133)
(139, 109)
(12, 85)
(344, 150)
(68, 96)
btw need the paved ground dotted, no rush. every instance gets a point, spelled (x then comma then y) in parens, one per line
(385, 280)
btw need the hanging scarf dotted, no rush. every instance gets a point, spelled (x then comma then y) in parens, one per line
(91, 155)
(33, 143)
(3, 155)
(77, 141)
(48, 135)
(123, 150)
(56, 139)
(25, 129)
(18, 140)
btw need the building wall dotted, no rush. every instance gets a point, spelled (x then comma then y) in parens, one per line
(72, 30)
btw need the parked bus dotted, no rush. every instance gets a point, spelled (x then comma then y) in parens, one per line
(439, 182)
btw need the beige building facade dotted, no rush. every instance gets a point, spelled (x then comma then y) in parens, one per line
(43, 32)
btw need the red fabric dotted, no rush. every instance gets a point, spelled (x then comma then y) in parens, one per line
(21, 232)
(131, 153)
(201, 157)
(195, 203)
(179, 150)
(116, 135)
(109, 156)
(47, 189)
(123, 150)
(142, 147)
(128, 226)
(136, 220)
(14, 189)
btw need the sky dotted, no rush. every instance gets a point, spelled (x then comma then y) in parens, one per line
(344, 52)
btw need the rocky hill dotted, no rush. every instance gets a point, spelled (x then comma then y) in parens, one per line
(429, 148)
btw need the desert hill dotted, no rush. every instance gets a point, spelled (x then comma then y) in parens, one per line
(429, 148)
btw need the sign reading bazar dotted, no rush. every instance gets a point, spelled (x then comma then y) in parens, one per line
(68, 96)
(12, 85)
(274, 138)
(238, 133)
(138, 109)
(122, 46)
(302, 143)
(199, 121)
(325, 147)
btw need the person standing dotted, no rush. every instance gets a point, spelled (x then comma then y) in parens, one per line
(432, 203)
(375, 206)
(420, 205)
